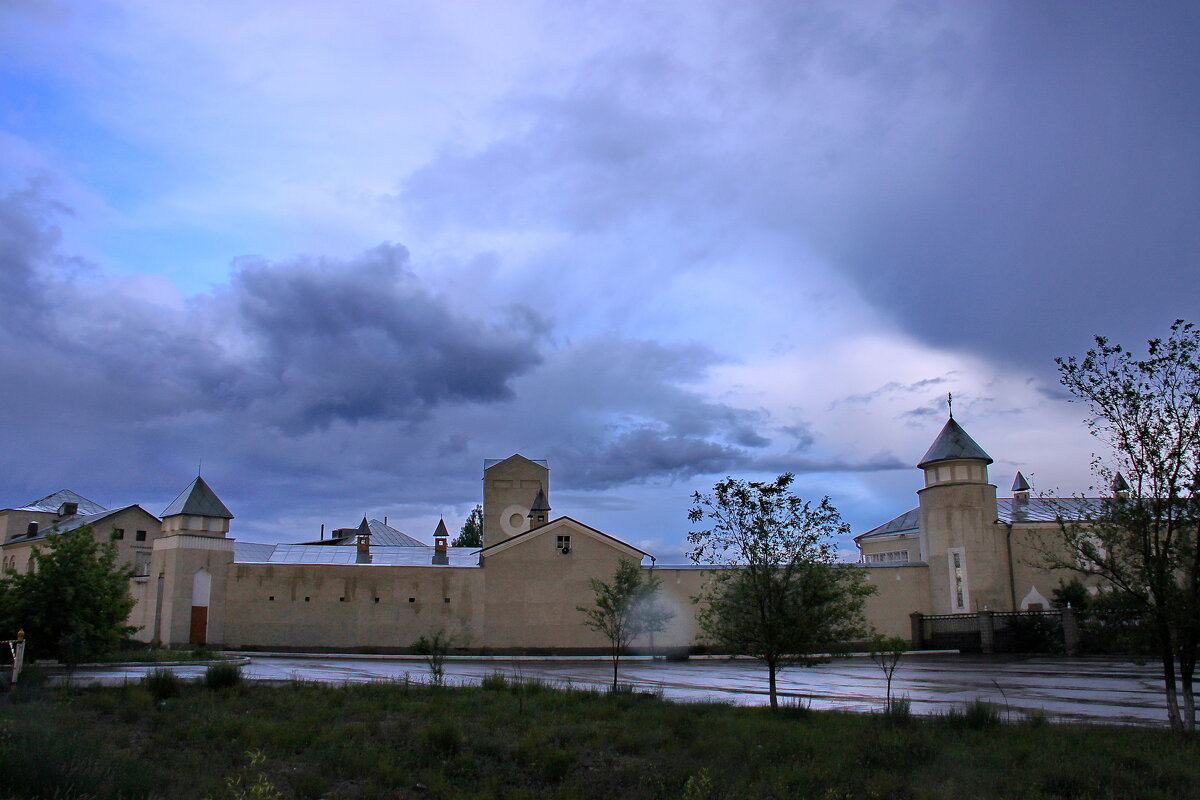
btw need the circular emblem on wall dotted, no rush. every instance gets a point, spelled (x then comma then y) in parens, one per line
(514, 520)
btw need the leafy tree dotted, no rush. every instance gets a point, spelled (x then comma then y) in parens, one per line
(1145, 540)
(74, 604)
(625, 608)
(471, 533)
(780, 595)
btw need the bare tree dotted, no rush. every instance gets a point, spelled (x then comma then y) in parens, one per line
(1143, 541)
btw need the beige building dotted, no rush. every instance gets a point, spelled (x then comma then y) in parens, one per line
(961, 549)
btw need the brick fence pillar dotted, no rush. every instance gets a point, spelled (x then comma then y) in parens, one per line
(987, 631)
(917, 620)
(1070, 625)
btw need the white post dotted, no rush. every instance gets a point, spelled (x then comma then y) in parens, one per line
(17, 648)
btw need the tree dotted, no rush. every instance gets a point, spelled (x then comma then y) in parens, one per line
(886, 652)
(471, 533)
(779, 594)
(73, 604)
(625, 608)
(1143, 541)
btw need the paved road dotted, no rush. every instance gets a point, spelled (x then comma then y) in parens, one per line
(1085, 689)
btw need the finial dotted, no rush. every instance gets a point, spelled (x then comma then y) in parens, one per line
(950, 403)
(199, 466)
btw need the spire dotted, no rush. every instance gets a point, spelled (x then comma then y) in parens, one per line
(1020, 484)
(364, 527)
(198, 500)
(540, 504)
(1120, 487)
(440, 530)
(953, 443)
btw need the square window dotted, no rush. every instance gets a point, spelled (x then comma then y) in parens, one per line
(562, 544)
(140, 536)
(376, 599)
(412, 599)
(341, 599)
(272, 597)
(118, 534)
(445, 599)
(307, 599)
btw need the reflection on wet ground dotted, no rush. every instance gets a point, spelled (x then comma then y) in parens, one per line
(1083, 689)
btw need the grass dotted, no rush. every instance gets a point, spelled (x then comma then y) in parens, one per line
(513, 740)
(136, 651)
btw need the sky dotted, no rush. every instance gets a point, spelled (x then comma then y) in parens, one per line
(335, 255)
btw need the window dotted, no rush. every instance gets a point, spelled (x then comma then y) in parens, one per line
(140, 536)
(31, 529)
(376, 599)
(960, 598)
(307, 599)
(141, 565)
(562, 544)
(445, 599)
(118, 534)
(890, 557)
(271, 598)
(412, 599)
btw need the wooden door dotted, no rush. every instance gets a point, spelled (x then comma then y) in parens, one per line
(199, 633)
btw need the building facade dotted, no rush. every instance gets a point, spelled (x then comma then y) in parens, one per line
(962, 549)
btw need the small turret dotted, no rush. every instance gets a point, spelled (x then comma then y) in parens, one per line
(362, 541)
(1020, 487)
(441, 539)
(539, 512)
(1120, 487)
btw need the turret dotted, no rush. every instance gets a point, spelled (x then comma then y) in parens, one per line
(539, 513)
(198, 511)
(958, 514)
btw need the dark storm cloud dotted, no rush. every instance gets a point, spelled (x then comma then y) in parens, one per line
(1065, 202)
(1007, 178)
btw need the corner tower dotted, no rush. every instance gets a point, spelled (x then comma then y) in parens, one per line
(959, 539)
(198, 511)
(511, 489)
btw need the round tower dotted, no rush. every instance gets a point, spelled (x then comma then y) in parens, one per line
(959, 540)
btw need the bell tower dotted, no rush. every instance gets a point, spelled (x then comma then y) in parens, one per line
(512, 487)
(959, 537)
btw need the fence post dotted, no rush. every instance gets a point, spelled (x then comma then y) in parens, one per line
(987, 632)
(917, 620)
(1070, 626)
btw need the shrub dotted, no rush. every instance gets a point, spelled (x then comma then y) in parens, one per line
(162, 684)
(496, 682)
(222, 676)
(976, 715)
(899, 710)
(442, 738)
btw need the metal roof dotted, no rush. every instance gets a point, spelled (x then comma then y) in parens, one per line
(488, 463)
(1020, 484)
(199, 500)
(254, 553)
(908, 522)
(53, 502)
(1011, 510)
(952, 443)
(77, 521)
(1048, 509)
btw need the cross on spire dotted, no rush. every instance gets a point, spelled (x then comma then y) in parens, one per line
(950, 403)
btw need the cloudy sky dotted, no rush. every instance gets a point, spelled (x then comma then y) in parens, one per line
(344, 252)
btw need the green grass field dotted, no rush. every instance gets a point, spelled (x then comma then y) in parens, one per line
(164, 739)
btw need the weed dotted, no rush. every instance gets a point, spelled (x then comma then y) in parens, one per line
(698, 786)
(434, 647)
(222, 676)
(162, 684)
(495, 682)
(976, 715)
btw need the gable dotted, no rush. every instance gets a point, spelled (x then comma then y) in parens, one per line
(565, 526)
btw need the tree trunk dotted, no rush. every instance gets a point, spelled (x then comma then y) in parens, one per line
(616, 657)
(771, 668)
(1168, 664)
(1187, 672)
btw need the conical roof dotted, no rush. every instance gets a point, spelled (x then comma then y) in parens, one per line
(1020, 484)
(440, 530)
(540, 503)
(198, 499)
(1119, 484)
(953, 443)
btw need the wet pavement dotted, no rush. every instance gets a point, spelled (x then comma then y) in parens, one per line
(1081, 689)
